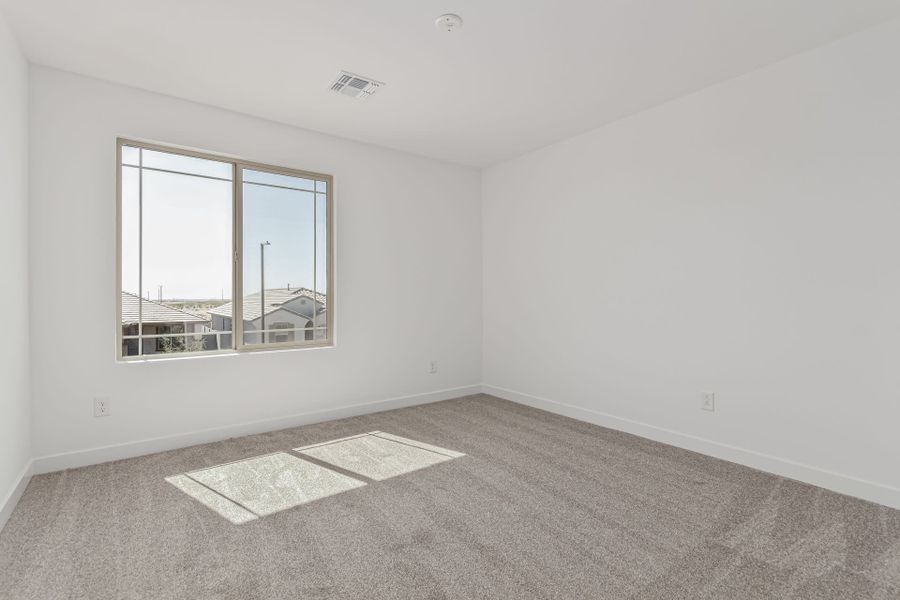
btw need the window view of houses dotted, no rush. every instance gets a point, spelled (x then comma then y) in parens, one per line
(279, 316)
(177, 228)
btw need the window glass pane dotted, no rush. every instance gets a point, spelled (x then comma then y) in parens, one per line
(321, 186)
(321, 320)
(278, 265)
(263, 177)
(186, 263)
(129, 257)
(187, 164)
(130, 155)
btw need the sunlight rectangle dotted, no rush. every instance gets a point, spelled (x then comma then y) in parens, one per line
(212, 500)
(378, 455)
(274, 482)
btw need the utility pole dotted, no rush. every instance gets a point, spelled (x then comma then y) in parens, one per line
(262, 289)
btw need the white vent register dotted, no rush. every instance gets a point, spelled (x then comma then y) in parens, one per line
(355, 86)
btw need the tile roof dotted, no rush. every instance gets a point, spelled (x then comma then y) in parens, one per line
(275, 298)
(154, 312)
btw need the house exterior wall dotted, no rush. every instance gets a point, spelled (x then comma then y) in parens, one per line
(285, 317)
(301, 305)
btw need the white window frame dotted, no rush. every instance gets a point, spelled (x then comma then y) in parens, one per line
(237, 321)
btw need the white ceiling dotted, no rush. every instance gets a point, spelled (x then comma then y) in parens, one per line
(519, 75)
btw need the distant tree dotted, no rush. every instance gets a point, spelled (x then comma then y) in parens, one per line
(180, 343)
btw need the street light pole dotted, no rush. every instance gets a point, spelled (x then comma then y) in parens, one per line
(262, 289)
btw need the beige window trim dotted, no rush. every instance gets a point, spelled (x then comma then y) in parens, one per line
(237, 333)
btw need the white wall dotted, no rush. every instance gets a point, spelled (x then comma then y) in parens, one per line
(15, 419)
(407, 228)
(744, 240)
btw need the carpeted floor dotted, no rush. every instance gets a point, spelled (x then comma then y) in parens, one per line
(541, 506)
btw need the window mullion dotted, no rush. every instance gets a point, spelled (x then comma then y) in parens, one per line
(140, 252)
(237, 302)
(315, 291)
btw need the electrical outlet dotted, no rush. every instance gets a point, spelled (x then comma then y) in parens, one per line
(432, 367)
(101, 407)
(708, 401)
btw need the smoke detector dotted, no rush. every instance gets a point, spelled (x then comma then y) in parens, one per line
(448, 22)
(355, 86)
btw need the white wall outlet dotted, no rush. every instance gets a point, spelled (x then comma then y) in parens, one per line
(708, 401)
(101, 407)
(432, 367)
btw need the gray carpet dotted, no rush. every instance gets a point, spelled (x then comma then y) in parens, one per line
(541, 506)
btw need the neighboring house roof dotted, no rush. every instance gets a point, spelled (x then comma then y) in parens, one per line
(275, 298)
(154, 312)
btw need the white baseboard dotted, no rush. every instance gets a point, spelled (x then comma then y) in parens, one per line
(844, 484)
(837, 482)
(8, 504)
(93, 456)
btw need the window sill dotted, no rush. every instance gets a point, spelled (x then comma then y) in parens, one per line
(222, 353)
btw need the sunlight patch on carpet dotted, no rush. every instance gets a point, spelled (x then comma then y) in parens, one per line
(262, 485)
(211, 499)
(377, 455)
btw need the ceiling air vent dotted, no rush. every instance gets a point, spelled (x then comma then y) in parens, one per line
(355, 86)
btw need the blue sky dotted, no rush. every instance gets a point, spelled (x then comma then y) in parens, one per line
(187, 234)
